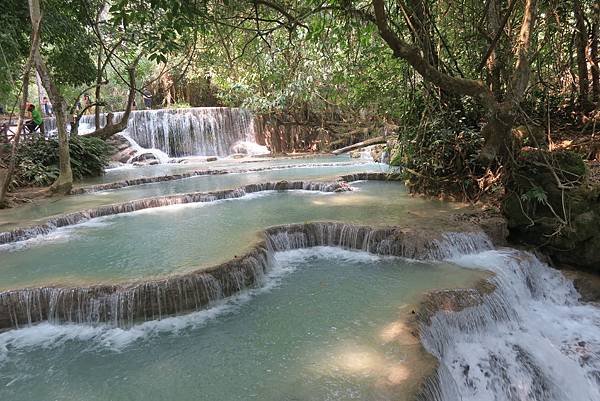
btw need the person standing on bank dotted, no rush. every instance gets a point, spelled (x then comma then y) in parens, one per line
(36, 118)
(47, 106)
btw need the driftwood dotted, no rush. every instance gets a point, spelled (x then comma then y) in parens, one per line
(368, 142)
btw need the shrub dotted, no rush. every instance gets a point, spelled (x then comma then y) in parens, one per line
(441, 159)
(38, 160)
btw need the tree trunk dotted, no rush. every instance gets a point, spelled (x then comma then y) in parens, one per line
(497, 131)
(494, 60)
(7, 174)
(41, 93)
(99, 72)
(594, 53)
(110, 129)
(581, 37)
(421, 26)
(64, 182)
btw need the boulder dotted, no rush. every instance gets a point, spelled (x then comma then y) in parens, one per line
(144, 157)
(563, 221)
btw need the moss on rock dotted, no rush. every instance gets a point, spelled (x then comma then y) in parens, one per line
(552, 206)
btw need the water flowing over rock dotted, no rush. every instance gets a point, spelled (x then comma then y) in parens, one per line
(122, 305)
(195, 173)
(522, 336)
(207, 131)
(69, 219)
(198, 131)
(394, 241)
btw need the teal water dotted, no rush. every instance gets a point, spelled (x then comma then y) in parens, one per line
(128, 172)
(161, 241)
(42, 209)
(328, 325)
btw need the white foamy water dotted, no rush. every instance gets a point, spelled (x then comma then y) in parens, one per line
(531, 340)
(160, 155)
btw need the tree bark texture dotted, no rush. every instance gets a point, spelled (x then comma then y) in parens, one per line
(64, 182)
(7, 174)
(581, 39)
(594, 53)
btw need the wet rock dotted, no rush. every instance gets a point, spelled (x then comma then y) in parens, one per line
(211, 159)
(114, 164)
(123, 149)
(144, 157)
(146, 163)
(586, 284)
(355, 154)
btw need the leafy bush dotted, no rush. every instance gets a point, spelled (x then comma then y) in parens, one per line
(37, 162)
(441, 158)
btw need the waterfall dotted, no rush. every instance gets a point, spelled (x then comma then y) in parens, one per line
(528, 340)
(198, 131)
(394, 241)
(123, 305)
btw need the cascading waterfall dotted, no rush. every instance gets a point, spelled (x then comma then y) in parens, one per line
(122, 305)
(69, 219)
(205, 131)
(526, 338)
(529, 340)
(198, 131)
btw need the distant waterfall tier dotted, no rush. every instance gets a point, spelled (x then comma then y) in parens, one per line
(206, 131)
(198, 131)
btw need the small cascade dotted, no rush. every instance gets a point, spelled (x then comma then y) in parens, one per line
(528, 340)
(159, 155)
(69, 219)
(394, 241)
(122, 306)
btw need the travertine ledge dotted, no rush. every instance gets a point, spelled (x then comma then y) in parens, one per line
(123, 305)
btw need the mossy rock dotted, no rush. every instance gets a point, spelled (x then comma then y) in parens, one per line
(565, 222)
(537, 173)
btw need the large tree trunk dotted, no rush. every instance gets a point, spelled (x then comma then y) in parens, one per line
(99, 72)
(581, 38)
(7, 174)
(64, 182)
